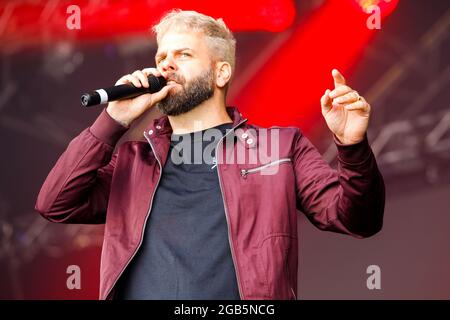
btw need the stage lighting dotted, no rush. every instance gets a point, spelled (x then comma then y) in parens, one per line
(385, 6)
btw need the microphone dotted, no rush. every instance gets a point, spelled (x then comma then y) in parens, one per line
(122, 91)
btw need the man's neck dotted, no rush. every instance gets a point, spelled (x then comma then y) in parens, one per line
(209, 114)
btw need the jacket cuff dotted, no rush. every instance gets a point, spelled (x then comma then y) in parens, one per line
(353, 153)
(106, 129)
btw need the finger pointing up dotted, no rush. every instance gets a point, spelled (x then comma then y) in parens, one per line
(339, 79)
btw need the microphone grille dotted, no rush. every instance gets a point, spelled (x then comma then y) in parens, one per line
(156, 83)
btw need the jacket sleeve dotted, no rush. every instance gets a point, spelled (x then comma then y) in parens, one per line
(77, 187)
(347, 200)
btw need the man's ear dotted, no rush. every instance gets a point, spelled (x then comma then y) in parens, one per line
(223, 73)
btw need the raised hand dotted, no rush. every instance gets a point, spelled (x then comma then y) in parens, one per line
(127, 110)
(345, 111)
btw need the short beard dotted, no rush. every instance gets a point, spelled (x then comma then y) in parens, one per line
(192, 94)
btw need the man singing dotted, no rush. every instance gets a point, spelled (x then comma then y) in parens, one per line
(222, 222)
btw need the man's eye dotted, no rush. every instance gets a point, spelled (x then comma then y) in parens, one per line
(184, 54)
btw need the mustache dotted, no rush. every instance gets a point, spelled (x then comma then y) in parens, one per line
(175, 77)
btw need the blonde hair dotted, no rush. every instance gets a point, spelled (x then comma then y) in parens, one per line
(219, 38)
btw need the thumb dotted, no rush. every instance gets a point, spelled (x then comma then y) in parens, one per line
(338, 78)
(325, 102)
(161, 94)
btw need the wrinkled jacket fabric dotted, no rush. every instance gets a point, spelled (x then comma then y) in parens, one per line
(91, 185)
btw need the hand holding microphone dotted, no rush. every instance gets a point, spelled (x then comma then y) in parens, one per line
(140, 95)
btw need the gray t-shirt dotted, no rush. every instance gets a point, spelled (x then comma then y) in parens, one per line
(185, 253)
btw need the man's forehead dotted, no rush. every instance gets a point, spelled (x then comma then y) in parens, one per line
(178, 40)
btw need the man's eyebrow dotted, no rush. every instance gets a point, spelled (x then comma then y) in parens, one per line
(163, 53)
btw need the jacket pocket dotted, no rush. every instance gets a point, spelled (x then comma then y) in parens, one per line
(245, 172)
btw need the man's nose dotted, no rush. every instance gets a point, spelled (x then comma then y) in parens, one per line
(167, 66)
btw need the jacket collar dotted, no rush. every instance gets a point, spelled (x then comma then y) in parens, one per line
(161, 126)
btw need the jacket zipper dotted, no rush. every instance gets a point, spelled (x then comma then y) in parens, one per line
(146, 217)
(289, 279)
(233, 256)
(293, 293)
(244, 172)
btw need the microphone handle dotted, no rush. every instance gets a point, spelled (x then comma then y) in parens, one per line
(122, 91)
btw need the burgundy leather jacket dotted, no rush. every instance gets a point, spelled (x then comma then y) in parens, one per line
(89, 184)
